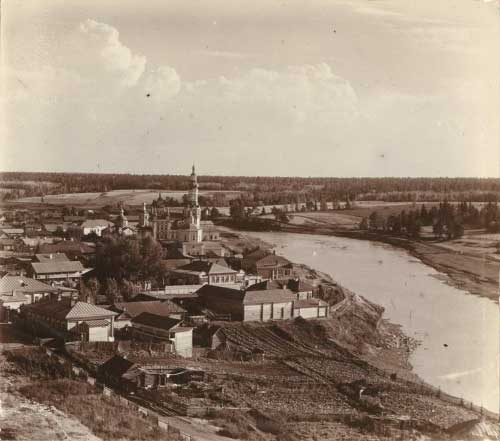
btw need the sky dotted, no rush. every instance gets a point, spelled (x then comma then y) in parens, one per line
(281, 88)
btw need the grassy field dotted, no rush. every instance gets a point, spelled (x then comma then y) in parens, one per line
(128, 197)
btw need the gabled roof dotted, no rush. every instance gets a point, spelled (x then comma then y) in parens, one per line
(266, 284)
(257, 254)
(62, 266)
(220, 292)
(63, 310)
(133, 309)
(93, 324)
(299, 285)
(87, 310)
(174, 253)
(247, 297)
(8, 284)
(272, 260)
(309, 303)
(51, 257)
(156, 321)
(93, 223)
(207, 267)
(116, 366)
(66, 246)
(268, 296)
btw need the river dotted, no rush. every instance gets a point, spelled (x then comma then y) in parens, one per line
(459, 332)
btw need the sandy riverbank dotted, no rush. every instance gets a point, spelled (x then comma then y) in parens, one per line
(477, 273)
(356, 322)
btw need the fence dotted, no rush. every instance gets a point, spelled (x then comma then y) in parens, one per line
(166, 423)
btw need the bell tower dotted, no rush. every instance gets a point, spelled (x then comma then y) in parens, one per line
(193, 199)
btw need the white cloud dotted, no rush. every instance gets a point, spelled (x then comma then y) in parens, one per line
(102, 41)
(223, 54)
(303, 119)
(162, 83)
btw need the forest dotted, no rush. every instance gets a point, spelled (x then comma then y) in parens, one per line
(257, 190)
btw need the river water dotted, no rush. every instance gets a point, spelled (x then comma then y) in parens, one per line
(459, 332)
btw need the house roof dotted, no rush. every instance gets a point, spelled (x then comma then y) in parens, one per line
(51, 257)
(266, 284)
(93, 223)
(66, 246)
(268, 296)
(12, 230)
(257, 254)
(52, 228)
(82, 309)
(156, 321)
(220, 291)
(247, 297)
(207, 267)
(116, 366)
(59, 266)
(174, 253)
(309, 303)
(63, 310)
(299, 285)
(93, 324)
(133, 309)
(74, 218)
(8, 284)
(272, 260)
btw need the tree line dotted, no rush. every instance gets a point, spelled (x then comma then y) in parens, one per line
(259, 190)
(448, 221)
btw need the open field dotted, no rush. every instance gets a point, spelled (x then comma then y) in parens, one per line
(128, 197)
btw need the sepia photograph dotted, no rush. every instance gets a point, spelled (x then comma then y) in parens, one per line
(266, 220)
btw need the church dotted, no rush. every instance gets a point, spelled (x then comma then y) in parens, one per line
(194, 236)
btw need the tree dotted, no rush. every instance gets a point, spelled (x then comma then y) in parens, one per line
(438, 229)
(151, 255)
(128, 290)
(237, 209)
(373, 220)
(112, 292)
(214, 213)
(92, 287)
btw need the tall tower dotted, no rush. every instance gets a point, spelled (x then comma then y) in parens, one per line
(193, 200)
(145, 216)
(194, 189)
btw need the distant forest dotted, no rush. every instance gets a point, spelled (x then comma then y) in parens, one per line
(260, 189)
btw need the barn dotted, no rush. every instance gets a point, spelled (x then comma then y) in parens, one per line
(271, 304)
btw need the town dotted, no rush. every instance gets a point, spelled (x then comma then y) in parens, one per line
(170, 313)
(258, 221)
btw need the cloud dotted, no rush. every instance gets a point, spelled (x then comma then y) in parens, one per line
(108, 106)
(104, 46)
(162, 83)
(223, 54)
